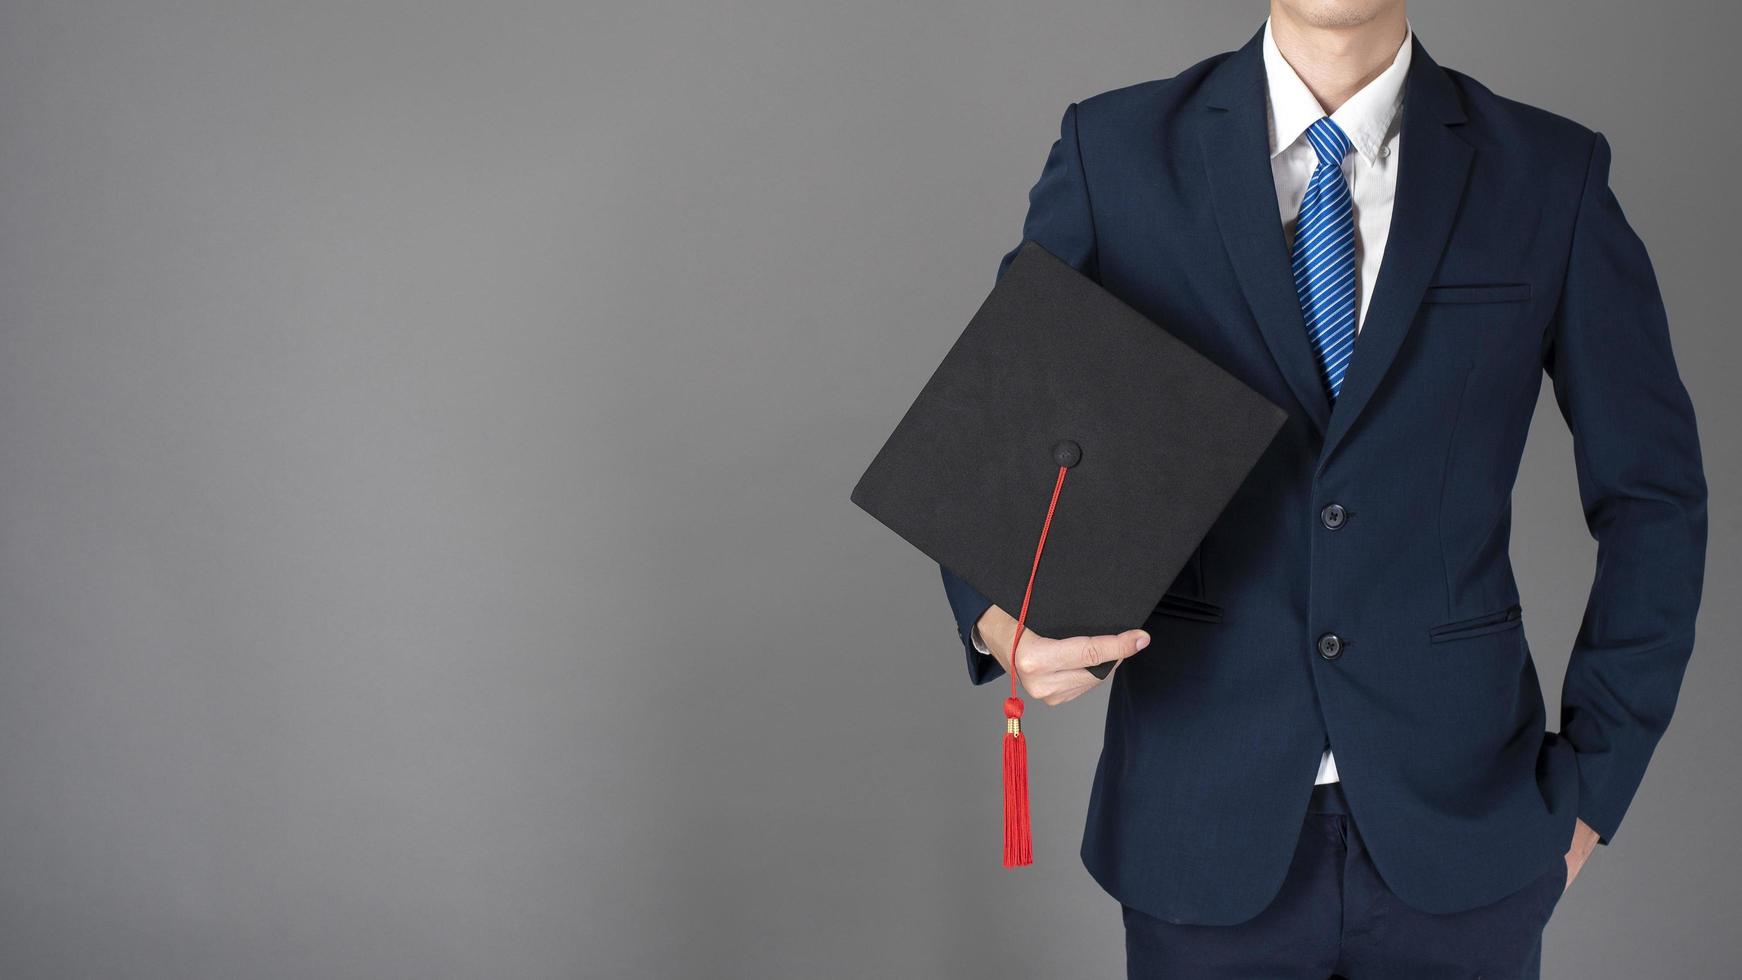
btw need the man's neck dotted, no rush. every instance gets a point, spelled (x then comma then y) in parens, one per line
(1336, 62)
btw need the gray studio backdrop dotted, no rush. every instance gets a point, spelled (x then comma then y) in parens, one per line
(425, 439)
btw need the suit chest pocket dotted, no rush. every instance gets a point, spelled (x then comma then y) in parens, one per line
(1512, 292)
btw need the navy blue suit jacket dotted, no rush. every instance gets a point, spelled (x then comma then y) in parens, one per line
(1508, 256)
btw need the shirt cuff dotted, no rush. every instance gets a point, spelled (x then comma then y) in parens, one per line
(979, 644)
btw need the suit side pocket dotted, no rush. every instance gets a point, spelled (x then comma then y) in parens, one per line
(1508, 618)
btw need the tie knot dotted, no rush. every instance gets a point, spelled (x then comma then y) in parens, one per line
(1329, 141)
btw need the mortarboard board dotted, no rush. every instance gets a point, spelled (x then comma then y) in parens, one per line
(1064, 423)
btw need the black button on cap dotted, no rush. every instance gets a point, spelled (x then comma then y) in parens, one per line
(1067, 453)
(1330, 646)
(1333, 516)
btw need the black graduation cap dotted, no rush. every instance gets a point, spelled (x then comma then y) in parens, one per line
(1054, 371)
(1061, 408)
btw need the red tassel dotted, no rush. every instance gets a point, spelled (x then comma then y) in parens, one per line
(1018, 839)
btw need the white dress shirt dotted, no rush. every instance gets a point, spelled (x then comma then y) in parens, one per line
(1369, 118)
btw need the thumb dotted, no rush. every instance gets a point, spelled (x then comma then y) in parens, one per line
(1102, 649)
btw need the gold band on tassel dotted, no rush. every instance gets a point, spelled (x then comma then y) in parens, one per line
(1013, 726)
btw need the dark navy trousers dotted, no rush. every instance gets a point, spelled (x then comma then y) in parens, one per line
(1335, 918)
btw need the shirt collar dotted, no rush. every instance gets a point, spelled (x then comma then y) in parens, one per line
(1366, 117)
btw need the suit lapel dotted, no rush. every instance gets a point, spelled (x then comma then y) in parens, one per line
(1235, 140)
(1433, 167)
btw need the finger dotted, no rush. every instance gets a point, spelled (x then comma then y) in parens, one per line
(1095, 650)
(1052, 686)
(1068, 686)
(1040, 687)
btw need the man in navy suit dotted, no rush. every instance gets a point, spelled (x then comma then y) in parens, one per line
(1334, 758)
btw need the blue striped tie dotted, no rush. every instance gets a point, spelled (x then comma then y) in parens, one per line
(1324, 256)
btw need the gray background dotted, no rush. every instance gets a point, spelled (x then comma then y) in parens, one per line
(425, 438)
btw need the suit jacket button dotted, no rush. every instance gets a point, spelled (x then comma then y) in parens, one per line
(1333, 516)
(1330, 646)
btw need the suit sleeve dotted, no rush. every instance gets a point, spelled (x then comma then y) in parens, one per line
(1643, 490)
(1060, 221)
